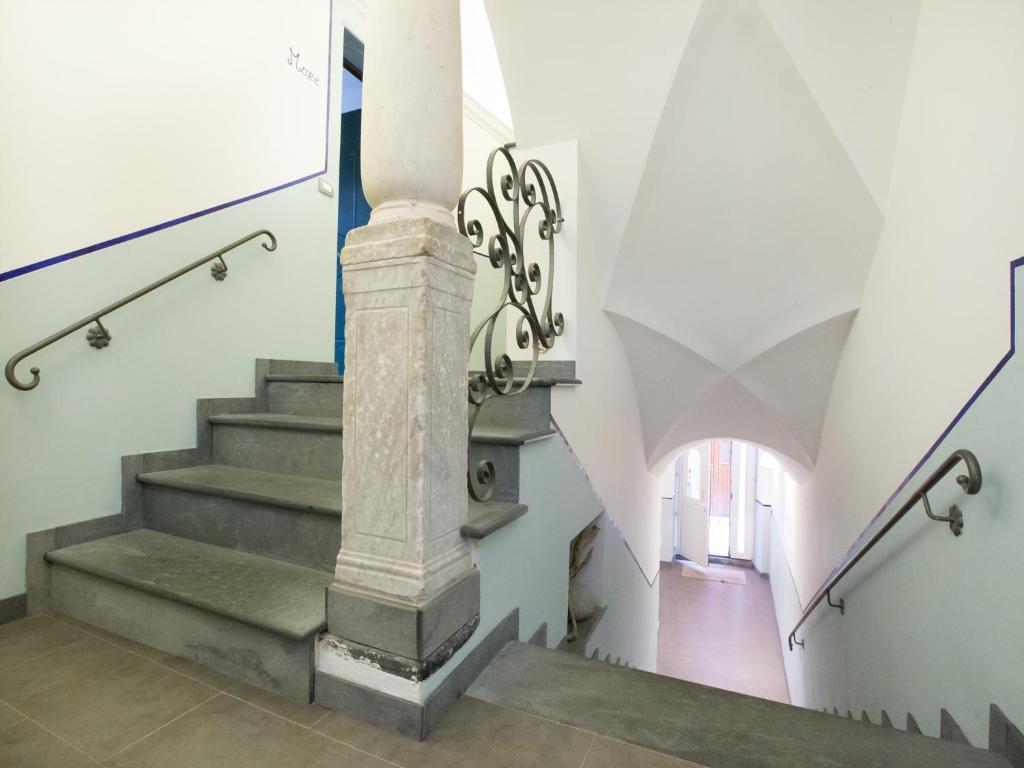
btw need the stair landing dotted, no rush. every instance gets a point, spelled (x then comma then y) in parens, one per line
(709, 726)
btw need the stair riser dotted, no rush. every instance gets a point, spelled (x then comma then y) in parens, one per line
(288, 451)
(305, 398)
(294, 368)
(303, 538)
(530, 410)
(266, 660)
(506, 464)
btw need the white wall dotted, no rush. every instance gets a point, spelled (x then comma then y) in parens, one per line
(932, 325)
(668, 513)
(666, 552)
(189, 115)
(628, 632)
(933, 319)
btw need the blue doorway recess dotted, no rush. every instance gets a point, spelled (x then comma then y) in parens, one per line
(353, 210)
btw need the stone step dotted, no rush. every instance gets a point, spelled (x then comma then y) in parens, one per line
(529, 410)
(296, 367)
(489, 516)
(276, 442)
(501, 445)
(288, 517)
(510, 435)
(708, 726)
(305, 395)
(250, 617)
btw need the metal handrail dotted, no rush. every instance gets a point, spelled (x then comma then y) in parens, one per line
(971, 483)
(99, 337)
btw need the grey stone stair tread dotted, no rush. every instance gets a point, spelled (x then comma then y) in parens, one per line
(489, 516)
(269, 594)
(306, 378)
(539, 381)
(279, 421)
(310, 494)
(708, 726)
(508, 435)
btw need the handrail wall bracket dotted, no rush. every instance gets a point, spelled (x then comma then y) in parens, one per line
(841, 605)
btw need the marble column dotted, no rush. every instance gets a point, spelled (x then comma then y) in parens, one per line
(406, 594)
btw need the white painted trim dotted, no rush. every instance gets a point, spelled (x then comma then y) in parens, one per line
(479, 114)
(334, 660)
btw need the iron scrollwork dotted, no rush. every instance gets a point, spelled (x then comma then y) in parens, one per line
(524, 189)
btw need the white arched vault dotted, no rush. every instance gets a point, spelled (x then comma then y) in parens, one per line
(777, 399)
(735, 159)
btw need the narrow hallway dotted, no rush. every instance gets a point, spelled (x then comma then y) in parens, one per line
(720, 634)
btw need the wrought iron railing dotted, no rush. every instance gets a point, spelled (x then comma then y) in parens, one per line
(971, 484)
(524, 189)
(98, 336)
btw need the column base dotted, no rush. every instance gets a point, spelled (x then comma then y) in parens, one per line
(409, 636)
(390, 672)
(398, 704)
(399, 210)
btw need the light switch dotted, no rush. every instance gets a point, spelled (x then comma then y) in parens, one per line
(325, 187)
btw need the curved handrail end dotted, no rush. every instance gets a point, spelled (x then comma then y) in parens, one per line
(273, 240)
(12, 377)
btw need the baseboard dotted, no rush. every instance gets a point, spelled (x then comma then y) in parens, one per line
(950, 730)
(1005, 738)
(540, 637)
(408, 718)
(13, 608)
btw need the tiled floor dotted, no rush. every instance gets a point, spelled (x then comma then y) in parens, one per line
(72, 695)
(718, 634)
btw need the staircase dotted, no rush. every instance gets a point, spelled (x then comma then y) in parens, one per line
(225, 551)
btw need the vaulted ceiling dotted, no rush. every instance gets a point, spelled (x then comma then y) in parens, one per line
(736, 157)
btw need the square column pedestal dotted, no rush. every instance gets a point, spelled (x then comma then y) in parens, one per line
(406, 595)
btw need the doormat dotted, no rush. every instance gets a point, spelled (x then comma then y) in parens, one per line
(714, 573)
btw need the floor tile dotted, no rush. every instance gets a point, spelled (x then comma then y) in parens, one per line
(228, 733)
(608, 753)
(303, 714)
(26, 745)
(97, 697)
(28, 638)
(472, 734)
(121, 642)
(8, 716)
(722, 635)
